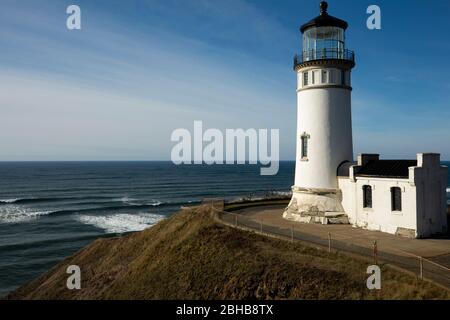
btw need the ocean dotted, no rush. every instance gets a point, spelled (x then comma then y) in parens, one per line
(50, 210)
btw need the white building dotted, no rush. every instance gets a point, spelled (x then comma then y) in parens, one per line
(404, 197)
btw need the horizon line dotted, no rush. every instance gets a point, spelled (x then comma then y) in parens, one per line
(291, 160)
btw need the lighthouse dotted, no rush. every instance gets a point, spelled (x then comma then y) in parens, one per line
(324, 119)
(397, 196)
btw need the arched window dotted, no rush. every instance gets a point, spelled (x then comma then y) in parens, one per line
(367, 196)
(396, 199)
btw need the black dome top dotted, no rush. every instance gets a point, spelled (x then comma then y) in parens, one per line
(324, 20)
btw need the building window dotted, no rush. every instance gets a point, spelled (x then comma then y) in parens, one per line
(343, 82)
(331, 76)
(324, 76)
(304, 149)
(315, 77)
(305, 78)
(367, 196)
(396, 199)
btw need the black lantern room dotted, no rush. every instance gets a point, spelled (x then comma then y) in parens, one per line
(324, 38)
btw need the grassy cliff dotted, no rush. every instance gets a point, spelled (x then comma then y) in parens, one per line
(190, 256)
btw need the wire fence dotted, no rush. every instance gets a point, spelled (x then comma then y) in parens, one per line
(422, 267)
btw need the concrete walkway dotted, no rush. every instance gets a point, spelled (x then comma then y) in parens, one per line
(402, 252)
(390, 243)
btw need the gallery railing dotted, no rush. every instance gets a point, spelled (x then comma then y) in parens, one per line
(323, 54)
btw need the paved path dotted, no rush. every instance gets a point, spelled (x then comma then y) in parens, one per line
(390, 243)
(402, 252)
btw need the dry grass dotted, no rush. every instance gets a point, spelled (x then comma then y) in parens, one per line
(189, 256)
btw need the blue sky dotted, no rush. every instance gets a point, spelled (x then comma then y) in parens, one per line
(139, 69)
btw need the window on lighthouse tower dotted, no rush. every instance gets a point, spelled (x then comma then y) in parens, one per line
(343, 78)
(324, 76)
(304, 148)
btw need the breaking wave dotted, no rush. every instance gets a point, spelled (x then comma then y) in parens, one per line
(263, 196)
(56, 199)
(9, 200)
(121, 223)
(17, 214)
(283, 193)
(136, 202)
(125, 201)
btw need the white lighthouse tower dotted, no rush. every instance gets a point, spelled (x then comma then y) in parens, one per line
(324, 121)
(402, 197)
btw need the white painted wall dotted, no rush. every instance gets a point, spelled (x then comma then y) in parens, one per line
(380, 217)
(424, 203)
(324, 114)
(430, 179)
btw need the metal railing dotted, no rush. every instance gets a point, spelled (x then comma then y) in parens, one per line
(323, 54)
(423, 268)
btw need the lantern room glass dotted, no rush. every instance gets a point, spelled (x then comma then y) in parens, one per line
(323, 43)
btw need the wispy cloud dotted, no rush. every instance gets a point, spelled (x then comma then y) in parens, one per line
(91, 93)
(140, 68)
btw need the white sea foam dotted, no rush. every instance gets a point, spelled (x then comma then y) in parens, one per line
(136, 202)
(283, 193)
(121, 222)
(8, 200)
(125, 199)
(17, 214)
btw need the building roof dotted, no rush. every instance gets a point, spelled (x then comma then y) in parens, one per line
(386, 168)
(324, 20)
(344, 168)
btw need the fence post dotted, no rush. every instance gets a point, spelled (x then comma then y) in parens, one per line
(261, 222)
(292, 233)
(421, 267)
(375, 252)
(329, 242)
(235, 220)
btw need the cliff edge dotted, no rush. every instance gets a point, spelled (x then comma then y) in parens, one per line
(191, 256)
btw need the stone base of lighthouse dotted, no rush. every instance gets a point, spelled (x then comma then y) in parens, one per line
(316, 206)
